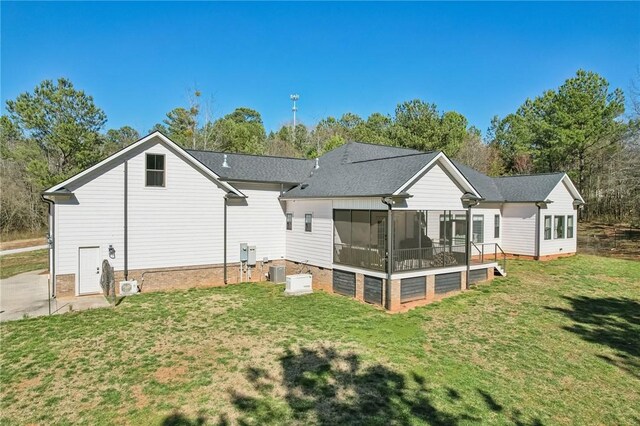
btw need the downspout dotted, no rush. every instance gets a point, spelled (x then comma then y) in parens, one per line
(225, 240)
(126, 220)
(52, 251)
(389, 203)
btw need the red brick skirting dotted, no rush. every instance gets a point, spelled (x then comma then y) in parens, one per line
(541, 258)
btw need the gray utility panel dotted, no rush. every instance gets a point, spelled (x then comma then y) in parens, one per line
(277, 274)
(373, 290)
(344, 283)
(448, 282)
(477, 275)
(413, 289)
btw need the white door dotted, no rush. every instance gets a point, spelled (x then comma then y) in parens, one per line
(89, 271)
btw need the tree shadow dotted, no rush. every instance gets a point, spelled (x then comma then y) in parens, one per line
(608, 321)
(326, 387)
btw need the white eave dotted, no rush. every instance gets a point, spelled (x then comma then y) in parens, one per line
(164, 140)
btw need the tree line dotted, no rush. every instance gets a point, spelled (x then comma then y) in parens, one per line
(56, 130)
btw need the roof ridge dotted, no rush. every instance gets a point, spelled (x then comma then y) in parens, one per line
(391, 158)
(385, 145)
(248, 155)
(530, 174)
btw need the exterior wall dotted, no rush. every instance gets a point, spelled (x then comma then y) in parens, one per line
(562, 205)
(178, 225)
(315, 247)
(489, 211)
(435, 190)
(519, 222)
(259, 221)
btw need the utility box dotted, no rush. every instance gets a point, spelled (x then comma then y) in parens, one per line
(276, 274)
(298, 284)
(251, 259)
(244, 252)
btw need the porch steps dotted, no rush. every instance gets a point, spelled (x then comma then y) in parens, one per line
(500, 271)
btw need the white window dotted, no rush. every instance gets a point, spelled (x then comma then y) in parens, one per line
(569, 226)
(289, 221)
(547, 227)
(478, 228)
(559, 227)
(496, 226)
(155, 170)
(307, 222)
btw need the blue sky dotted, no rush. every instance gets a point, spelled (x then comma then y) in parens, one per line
(138, 60)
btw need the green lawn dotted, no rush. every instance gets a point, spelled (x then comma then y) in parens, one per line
(554, 343)
(14, 264)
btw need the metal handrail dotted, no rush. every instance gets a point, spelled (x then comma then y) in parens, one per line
(496, 248)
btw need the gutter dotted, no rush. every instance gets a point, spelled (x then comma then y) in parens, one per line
(402, 195)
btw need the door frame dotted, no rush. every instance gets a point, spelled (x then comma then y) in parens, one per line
(78, 270)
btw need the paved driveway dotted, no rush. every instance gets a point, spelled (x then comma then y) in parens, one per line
(26, 295)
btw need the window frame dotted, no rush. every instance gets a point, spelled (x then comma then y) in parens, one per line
(308, 228)
(147, 170)
(289, 221)
(496, 226)
(473, 225)
(567, 227)
(555, 227)
(549, 228)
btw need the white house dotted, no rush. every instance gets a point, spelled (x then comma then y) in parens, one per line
(391, 226)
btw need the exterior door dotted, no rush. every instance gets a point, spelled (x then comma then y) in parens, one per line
(89, 270)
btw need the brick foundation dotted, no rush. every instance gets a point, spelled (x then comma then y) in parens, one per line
(162, 279)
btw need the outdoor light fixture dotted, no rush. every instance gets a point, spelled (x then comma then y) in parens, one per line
(112, 252)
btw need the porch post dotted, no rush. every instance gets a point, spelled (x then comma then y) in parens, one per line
(468, 245)
(389, 202)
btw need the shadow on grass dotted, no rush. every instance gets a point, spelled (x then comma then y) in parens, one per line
(608, 321)
(325, 387)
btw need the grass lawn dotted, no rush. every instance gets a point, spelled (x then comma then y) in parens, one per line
(553, 343)
(13, 264)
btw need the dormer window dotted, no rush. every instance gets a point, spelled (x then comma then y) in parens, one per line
(155, 170)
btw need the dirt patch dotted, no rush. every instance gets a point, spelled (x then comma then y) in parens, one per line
(169, 374)
(16, 244)
(612, 240)
(140, 397)
(29, 383)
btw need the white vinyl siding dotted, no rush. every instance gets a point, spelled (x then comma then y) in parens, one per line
(316, 247)
(489, 211)
(435, 190)
(562, 206)
(519, 229)
(259, 221)
(94, 217)
(180, 224)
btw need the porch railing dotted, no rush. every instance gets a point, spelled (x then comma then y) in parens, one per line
(359, 256)
(488, 253)
(428, 257)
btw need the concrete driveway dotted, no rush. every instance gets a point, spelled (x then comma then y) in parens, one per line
(25, 295)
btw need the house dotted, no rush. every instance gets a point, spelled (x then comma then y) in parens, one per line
(387, 225)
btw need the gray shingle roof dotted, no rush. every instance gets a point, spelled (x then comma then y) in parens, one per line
(527, 187)
(255, 168)
(359, 169)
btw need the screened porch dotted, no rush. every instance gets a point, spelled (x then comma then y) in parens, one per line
(421, 239)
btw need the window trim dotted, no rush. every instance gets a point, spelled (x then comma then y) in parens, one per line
(473, 220)
(289, 223)
(555, 227)
(496, 226)
(572, 226)
(310, 223)
(550, 228)
(164, 171)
